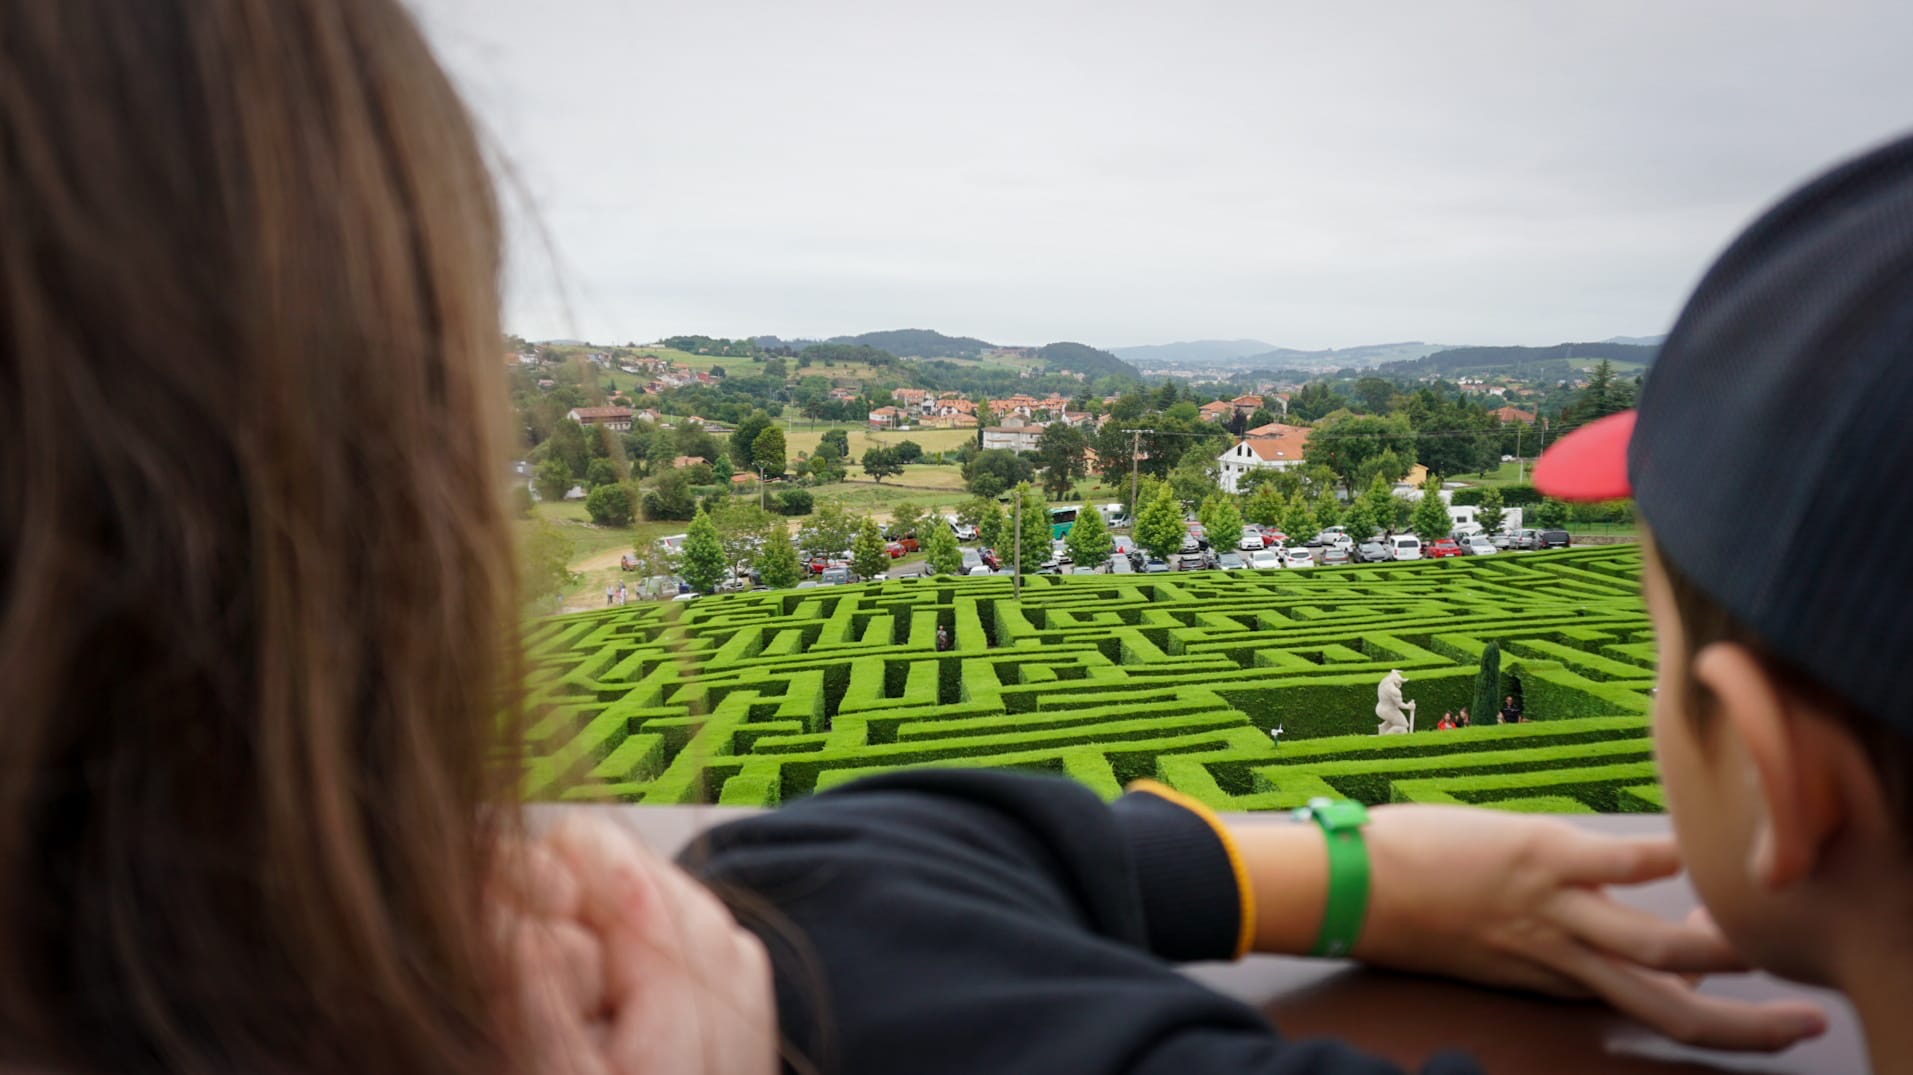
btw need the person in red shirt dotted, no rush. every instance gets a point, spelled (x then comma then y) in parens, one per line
(1447, 723)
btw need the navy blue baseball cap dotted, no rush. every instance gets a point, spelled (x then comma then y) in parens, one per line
(1774, 428)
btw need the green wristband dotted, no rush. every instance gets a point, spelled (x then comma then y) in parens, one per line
(1347, 903)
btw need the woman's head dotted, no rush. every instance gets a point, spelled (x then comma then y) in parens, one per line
(256, 611)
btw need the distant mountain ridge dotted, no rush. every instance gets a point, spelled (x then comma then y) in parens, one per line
(1084, 359)
(1192, 351)
(1638, 341)
(1487, 359)
(919, 343)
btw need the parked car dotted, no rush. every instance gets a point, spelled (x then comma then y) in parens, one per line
(835, 575)
(1121, 565)
(1190, 544)
(894, 548)
(1334, 554)
(1191, 561)
(1554, 539)
(1299, 556)
(1251, 539)
(1153, 566)
(1405, 547)
(1266, 559)
(963, 531)
(1442, 549)
(1479, 545)
(1079, 569)
(1527, 539)
(1231, 561)
(1059, 551)
(907, 542)
(1274, 539)
(1502, 540)
(1372, 552)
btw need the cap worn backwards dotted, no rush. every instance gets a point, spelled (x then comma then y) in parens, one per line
(1773, 425)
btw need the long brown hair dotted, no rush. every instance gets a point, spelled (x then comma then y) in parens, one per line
(256, 615)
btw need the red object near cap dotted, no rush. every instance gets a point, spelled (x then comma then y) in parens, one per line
(1589, 464)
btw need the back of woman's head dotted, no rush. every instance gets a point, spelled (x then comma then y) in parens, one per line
(255, 608)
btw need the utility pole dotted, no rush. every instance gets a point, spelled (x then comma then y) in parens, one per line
(1518, 468)
(1016, 549)
(1135, 450)
(760, 488)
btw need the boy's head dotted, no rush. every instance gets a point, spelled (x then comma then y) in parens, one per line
(1763, 457)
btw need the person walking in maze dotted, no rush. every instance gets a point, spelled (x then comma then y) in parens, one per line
(943, 638)
(357, 890)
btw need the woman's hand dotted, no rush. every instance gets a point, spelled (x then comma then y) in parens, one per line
(1512, 900)
(626, 966)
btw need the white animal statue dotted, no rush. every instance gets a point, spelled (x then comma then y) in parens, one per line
(1390, 708)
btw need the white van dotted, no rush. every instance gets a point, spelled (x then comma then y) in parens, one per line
(1406, 547)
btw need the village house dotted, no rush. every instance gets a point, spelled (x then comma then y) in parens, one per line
(683, 461)
(1015, 438)
(886, 417)
(1270, 447)
(1218, 411)
(1510, 415)
(616, 419)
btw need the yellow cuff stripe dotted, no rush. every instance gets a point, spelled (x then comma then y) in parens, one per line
(1245, 893)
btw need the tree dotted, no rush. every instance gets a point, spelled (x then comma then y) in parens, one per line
(722, 470)
(993, 526)
(868, 557)
(1359, 520)
(1328, 511)
(670, 497)
(767, 452)
(777, 564)
(1375, 394)
(701, 562)
(940, 546)
(1297, 520)
(1060, 451)
(826, 468)
(1550, 514)
(881, 463)
(908, 452)
(1490, 514)
(744, 528)
(830, 530)
(995, 471)
(543, 556)
(906, 519)
(1088, 541)
(1265, 506)
(1487, 684)
(1350, 444)
(609, 505)
(1193, 477)
(837, 439)
(601, 472)
(552, 479)
(1222, 519)
(1431, 521)
(794, 502)
(742, 447)
(1381, 501)
(1032, 528)
(567, 445)
(1314, 401)
(1159, 526)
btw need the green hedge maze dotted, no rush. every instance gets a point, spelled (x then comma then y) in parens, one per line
(756, 699)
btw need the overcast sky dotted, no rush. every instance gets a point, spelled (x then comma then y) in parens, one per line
(1312, 174)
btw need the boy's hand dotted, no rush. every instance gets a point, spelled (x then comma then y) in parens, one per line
(1512, 900)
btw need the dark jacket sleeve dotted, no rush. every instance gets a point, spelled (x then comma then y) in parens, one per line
(937, 921)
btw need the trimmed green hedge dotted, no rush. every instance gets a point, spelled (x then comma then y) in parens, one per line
(754, 699)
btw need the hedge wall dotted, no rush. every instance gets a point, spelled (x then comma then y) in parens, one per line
(755, 699)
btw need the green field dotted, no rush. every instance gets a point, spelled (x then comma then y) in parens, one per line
(862, 439)
(756, 699)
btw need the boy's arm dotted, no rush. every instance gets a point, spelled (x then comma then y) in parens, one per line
(959, 921)
(1516, 901)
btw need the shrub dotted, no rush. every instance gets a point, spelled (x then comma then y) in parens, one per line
(794, 502)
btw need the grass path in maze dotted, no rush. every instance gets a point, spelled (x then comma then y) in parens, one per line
(757, 698)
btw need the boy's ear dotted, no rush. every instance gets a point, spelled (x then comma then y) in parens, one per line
(1795, 783)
